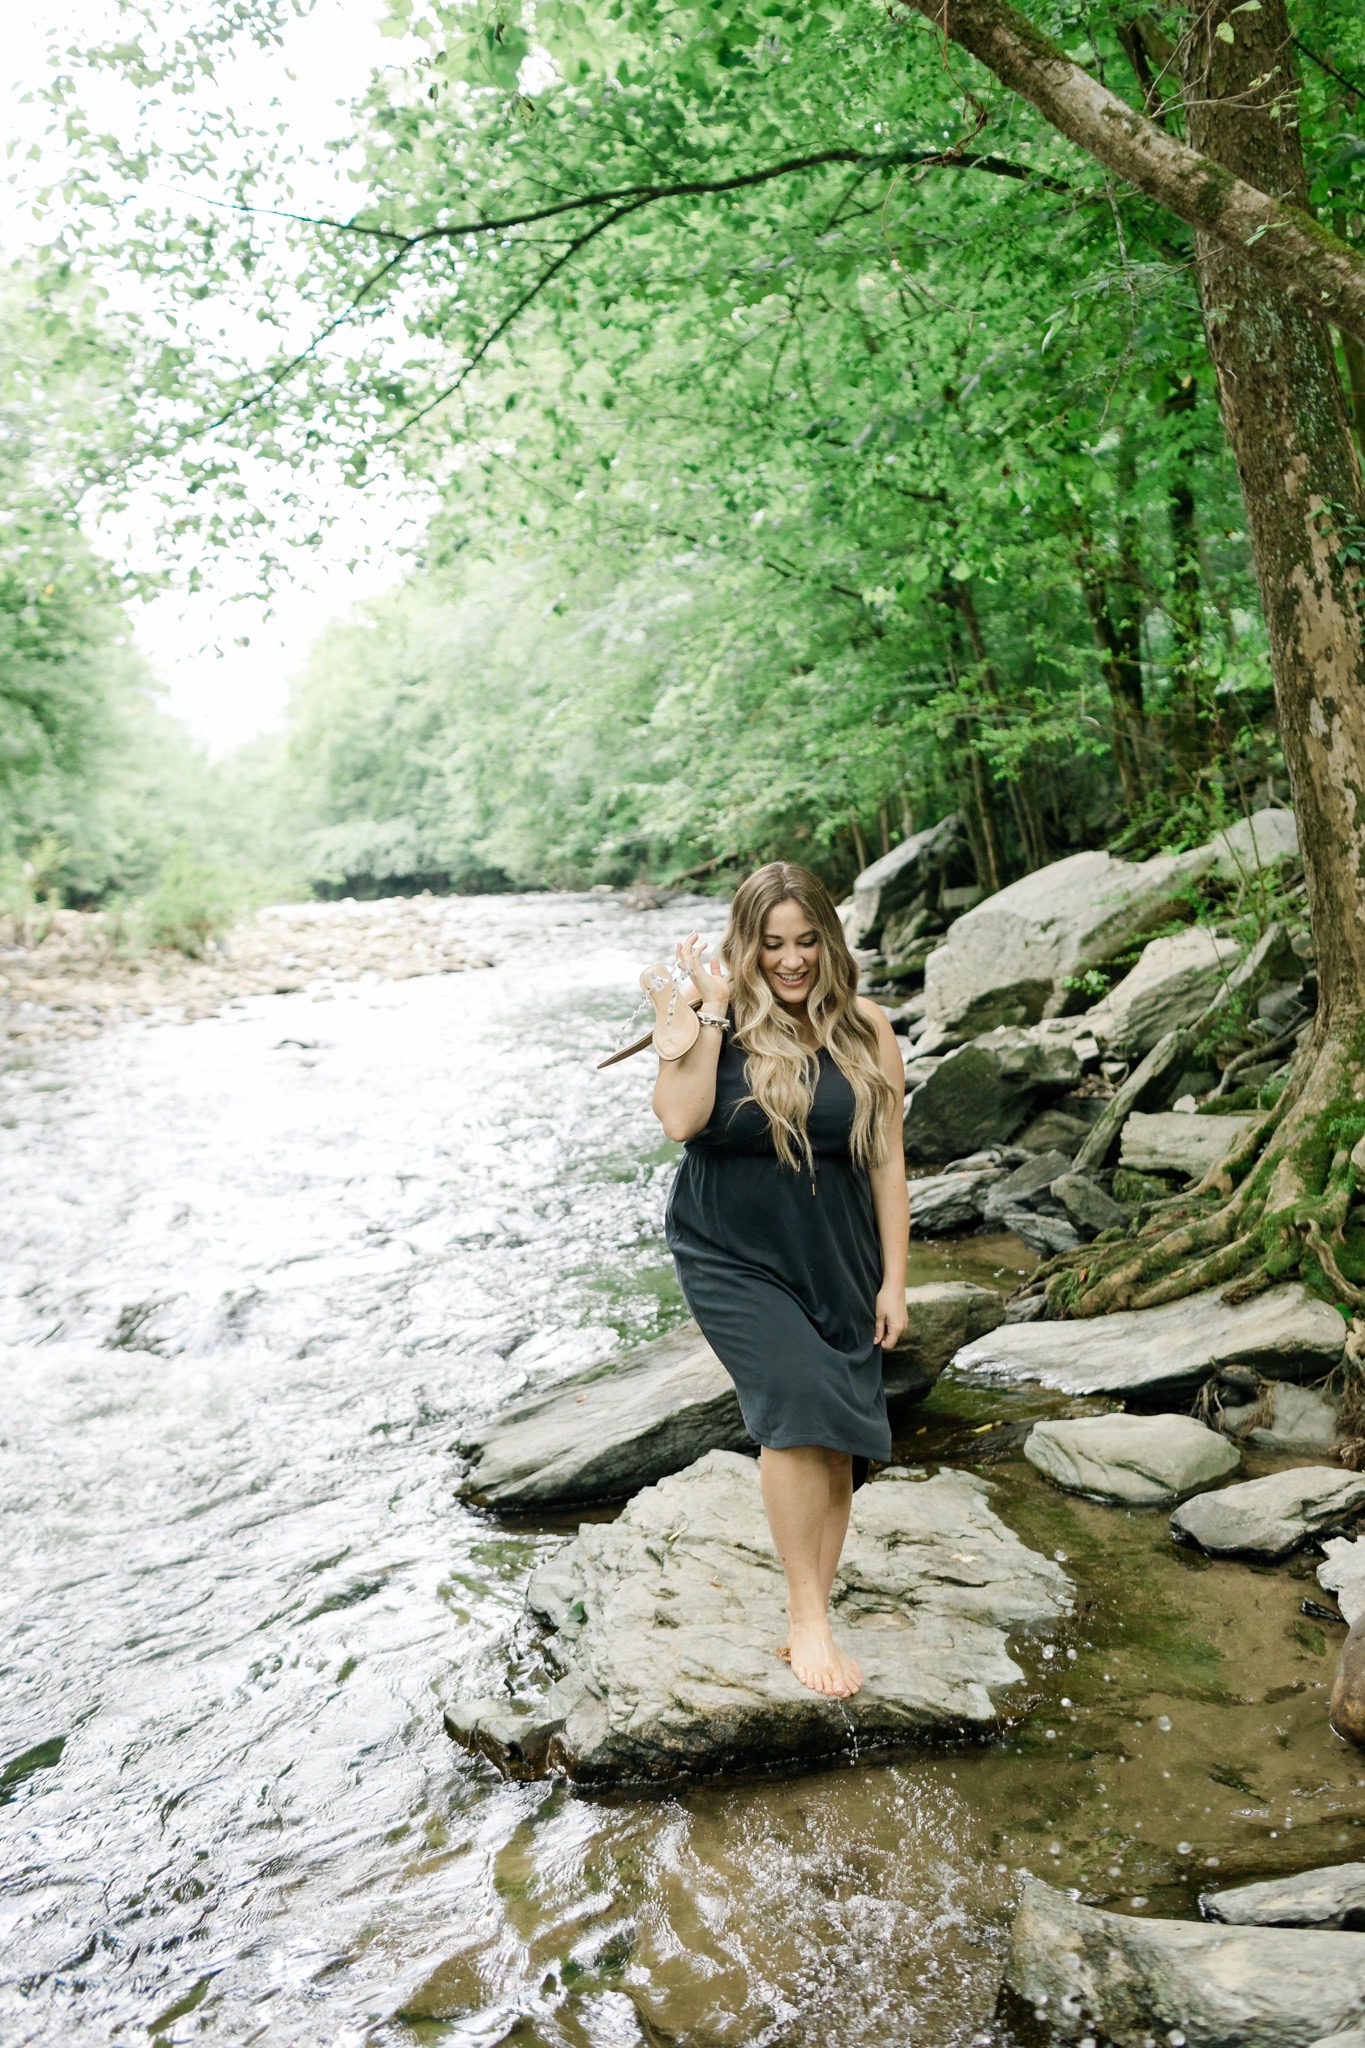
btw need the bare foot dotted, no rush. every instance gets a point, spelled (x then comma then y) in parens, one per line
(816, 1663)
(852, 1669)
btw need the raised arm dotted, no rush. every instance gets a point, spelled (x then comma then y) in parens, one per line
(685, 1092)
(890, 1195)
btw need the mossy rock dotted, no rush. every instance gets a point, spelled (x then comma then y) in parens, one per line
(1132, 1188)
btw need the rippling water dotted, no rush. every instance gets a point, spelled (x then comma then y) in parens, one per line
(258, 1271)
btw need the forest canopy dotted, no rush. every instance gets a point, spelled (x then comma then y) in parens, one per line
(817, 440)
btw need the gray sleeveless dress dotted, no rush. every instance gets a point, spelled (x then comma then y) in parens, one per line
(781, 1269)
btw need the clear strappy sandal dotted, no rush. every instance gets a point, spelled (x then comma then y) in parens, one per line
(675, 1021)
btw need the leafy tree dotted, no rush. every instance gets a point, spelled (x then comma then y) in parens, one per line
(720, 218)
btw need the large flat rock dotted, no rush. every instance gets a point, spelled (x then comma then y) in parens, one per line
(1141, 1460)
(607, 1433)
(1133, 1982)
(1174, 1142)
(1271, 1517)
(899, 879)
(940, 1317)
(1009, 960)
(666, 1624)
(1161, 1354)
(1342, 1572)
(1170, 986)
(1331, 1897)
(943, 1203)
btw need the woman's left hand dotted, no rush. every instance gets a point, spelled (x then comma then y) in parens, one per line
(891, 1317)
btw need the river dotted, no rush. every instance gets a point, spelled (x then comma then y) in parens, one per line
(259, 1269)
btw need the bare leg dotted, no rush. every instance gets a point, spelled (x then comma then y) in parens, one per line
(832, 1543)
(797, 1489)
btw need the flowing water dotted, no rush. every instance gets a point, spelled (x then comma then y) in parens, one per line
(258, 1272)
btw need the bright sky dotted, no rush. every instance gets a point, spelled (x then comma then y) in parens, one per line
(225, 692)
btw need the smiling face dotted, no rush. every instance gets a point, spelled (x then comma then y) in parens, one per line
(789, 955)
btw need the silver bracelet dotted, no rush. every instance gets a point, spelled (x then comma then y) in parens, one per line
(721, 1023)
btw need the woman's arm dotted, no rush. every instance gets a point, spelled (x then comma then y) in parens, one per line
(890, 1194)
(685, 1092)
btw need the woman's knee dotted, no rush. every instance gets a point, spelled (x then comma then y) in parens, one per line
(840, 1471)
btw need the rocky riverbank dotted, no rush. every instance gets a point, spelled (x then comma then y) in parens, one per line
(65, 973)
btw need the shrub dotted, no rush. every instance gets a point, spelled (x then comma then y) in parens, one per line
(192, 904)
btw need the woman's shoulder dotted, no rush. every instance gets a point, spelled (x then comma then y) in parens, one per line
(875, 1015)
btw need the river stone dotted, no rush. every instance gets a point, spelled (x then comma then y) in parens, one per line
(513, 1731)
(1354, 2037)
(1087, 1204)
(666, 1622)
(1162, 1354)
(1176, 1142)
(966, 1102)
(1134, 1982)
(1271, 1517)
(1300, 1419)
(898, 878)
(1171, 985)
(1026, 1187)
(1267, 839)
(1147, 1087)
(1045, 1235)
(1045, 1055)
(1143, 1460)
(1053, 1130)
(1342, 1572)
(1331, 1897)
(941, 1317)
(1271, 959)
(1009, 961)
(945, 1202)
(608, 1432)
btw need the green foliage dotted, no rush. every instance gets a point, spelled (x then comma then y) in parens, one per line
(845, 445)
(191, 904)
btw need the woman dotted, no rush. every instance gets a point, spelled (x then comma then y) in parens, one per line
(789, 1220)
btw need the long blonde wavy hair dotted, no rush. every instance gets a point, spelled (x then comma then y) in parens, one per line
(781, 1073)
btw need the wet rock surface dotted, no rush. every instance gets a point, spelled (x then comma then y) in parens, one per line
(1140, 1460)
(1342, 1572)
(1134, 1981)
(1332, 1897)
(1162, 1353)
(619, 1427)
(1173, 1142)
(609, 1432)
(941, 1316)
(1286, 1418)
(1271, 1517)
(667, 1621)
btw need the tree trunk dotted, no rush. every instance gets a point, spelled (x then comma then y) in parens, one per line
(1286, 418)
(1191, 720)
(1289, 1182)
(1028, 821)
(1115, 608)
(1280, 240)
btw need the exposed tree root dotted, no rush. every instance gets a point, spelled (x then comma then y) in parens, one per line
(1274, 1208)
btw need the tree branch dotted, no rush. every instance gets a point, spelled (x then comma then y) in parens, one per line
(1285, 244)
(692, 188)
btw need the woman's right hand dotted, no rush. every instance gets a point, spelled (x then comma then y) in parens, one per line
(708, 981)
